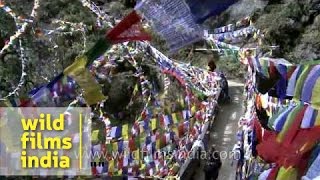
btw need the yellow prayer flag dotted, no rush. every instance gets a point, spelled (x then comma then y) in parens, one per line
(77, 66)
(111, 165)
(142, 167)
(91, 89)
(153, 124)
(193, 110)
(136, 154)
(175, 130)
(158, 143)
(94, 135)
(175, 118)
(181, 102)
(125, 131)
(119, 172)
(115, 147)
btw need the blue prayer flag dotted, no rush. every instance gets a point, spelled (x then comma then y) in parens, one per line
(203, 9)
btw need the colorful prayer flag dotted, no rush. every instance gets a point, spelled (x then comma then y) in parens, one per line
(173, 20)
(92, 90)
(125, 131)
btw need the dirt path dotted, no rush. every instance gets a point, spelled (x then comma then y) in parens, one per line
(223, 133)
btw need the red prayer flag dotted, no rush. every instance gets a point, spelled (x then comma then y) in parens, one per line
(129, 29)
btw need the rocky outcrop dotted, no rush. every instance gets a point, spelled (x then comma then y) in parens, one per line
(293, 25)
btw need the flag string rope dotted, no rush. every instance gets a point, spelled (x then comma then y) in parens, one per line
(23, 59)
(23, 27)
(14, 37)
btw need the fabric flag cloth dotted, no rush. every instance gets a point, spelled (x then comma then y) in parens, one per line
(202, 10)
(292, 82)
(314, 169)
(287, 174)
(92, 92)
(125, 131)
(296, 154)
(153, 124)
(129, 29)
(42, 97)
(264, 175)
(282, 84)
(232, 27)
(116, 132)
(289, 121)
(280, 119)
(175, 118)
(63, 86)
(315, 99)
(309, 118)
(173, 20)
(310, 83)
(94, 135)
(300, 82)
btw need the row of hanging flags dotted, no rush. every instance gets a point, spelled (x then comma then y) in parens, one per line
(284, 133)
(168, 67)
(78, 72)
(184, 24)
(63, 88)
(147, 135)
(151, 133)
(293, 129)
(279, 131)
(300, 82)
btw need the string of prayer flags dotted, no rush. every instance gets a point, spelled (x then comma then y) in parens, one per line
(232, 27)
(225, 45)
(22, 28)
(95, 9)
(235, 36)
(173, 20)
